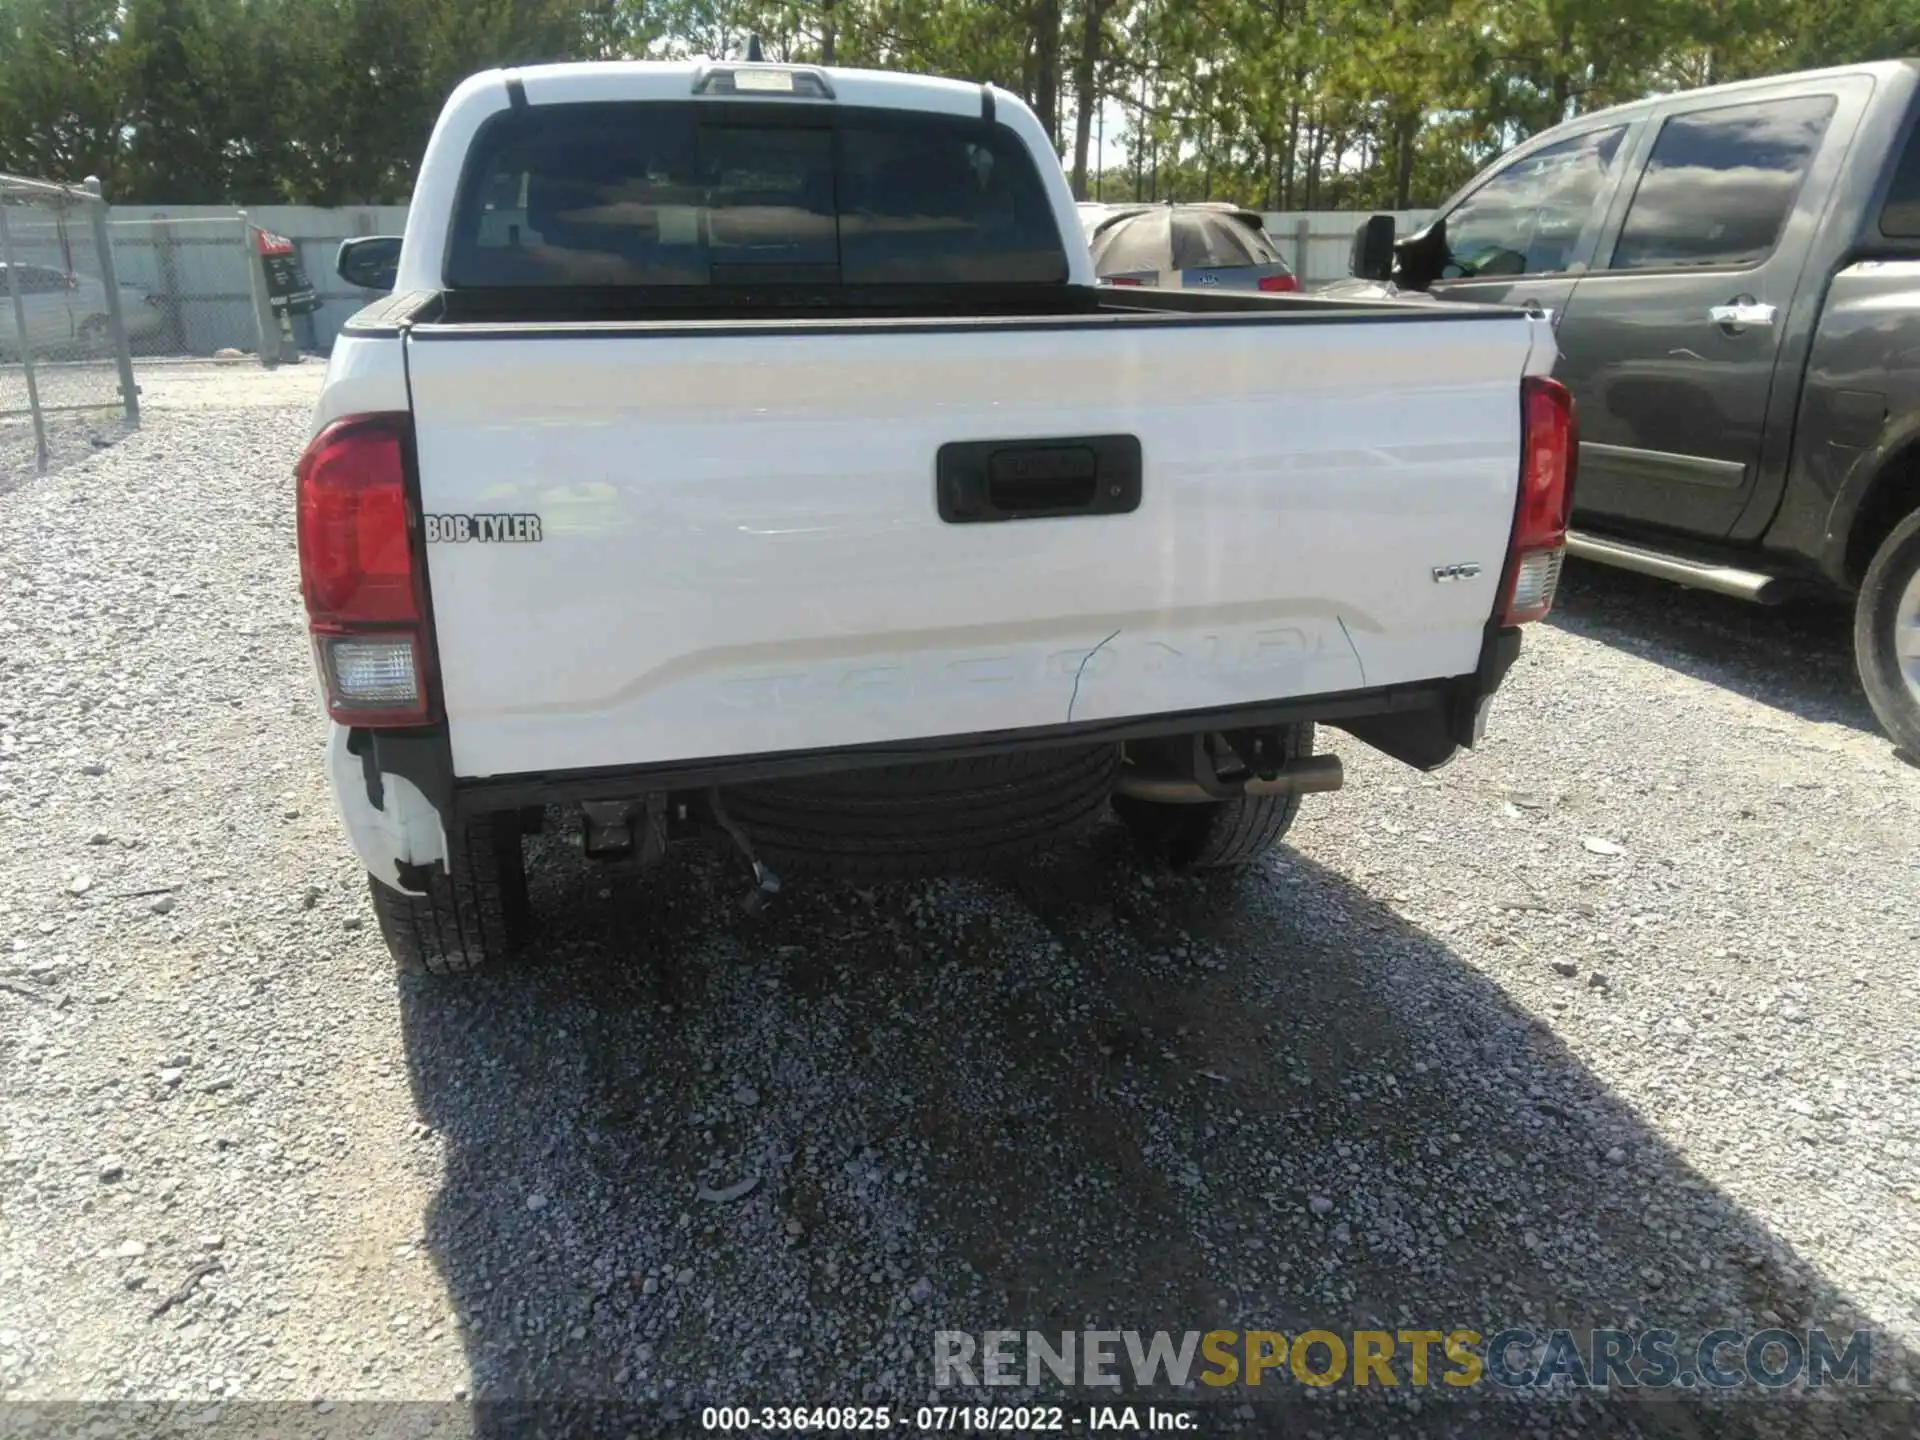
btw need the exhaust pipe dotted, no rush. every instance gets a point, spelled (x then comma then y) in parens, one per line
(1306, 776)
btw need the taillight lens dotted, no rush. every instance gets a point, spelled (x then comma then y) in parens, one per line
(361, 575)
(1549, 447)
(356, 552)
(1279, 284)
(1122, 280)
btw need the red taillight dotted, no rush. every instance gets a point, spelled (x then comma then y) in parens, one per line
(1549, 446)
(356, 550)
(360, 573)
(1123, 280)
(1279, 284)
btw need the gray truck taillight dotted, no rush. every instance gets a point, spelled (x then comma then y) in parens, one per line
(362, 576)
(1549, 446)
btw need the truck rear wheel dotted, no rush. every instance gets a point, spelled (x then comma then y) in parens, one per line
(473, 913)
(1216, 834)
(1886, 634)
(904, 821)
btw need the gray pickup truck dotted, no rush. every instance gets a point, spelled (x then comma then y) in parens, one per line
(1734, 277)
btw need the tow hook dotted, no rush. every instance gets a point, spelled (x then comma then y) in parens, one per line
(766, 884)
(613, 831)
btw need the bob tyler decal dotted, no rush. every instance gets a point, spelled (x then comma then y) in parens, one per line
(454, 529)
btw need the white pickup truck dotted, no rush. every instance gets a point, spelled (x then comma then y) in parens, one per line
(748, 449)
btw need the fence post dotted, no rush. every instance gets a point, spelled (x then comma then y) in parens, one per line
(167, 262)
(122, 351)
(1302, 238)
(264, 324)
(24, 338)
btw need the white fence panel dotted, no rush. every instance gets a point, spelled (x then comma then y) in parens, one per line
(190, 270)
(210, 285)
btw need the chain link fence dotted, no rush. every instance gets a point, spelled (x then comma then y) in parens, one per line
(190, 279)
(66, 370)
(197, 286)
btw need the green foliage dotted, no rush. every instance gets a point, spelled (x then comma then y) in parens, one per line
(1294, 104)
(63, 80)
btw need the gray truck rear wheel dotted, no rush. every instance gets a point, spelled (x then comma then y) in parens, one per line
(1886, 634)
(473, 913)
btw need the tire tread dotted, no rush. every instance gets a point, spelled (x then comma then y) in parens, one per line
(471, 914)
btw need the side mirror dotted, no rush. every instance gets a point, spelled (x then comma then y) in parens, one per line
(1372, 255)
(371, 261)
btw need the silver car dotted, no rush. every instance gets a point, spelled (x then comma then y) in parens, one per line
(67, 314)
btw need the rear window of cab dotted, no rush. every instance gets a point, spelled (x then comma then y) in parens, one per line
(650, 194)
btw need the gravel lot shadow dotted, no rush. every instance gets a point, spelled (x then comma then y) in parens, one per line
(1796, 657)
(1079, 1097)
(70, 439)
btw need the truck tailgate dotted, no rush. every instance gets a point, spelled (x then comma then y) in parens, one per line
(738, 548)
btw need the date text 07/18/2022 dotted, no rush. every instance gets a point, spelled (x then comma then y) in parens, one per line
(949, 1419)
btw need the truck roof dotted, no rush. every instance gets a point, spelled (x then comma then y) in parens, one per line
(602, 80)
(1908, 70)
(1906, 73)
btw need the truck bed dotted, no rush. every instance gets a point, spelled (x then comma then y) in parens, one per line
(741, 545)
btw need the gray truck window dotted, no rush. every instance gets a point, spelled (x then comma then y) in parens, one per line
(1721, 183)
(643, 195)
(1900, 217)
(1529, 218)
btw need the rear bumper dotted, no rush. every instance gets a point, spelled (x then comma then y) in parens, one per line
(403, 806)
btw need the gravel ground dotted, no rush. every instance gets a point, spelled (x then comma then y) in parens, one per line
(164, 385)
(69, 438)
(1609, 1023)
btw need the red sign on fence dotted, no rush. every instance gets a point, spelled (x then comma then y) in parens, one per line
(287, 284)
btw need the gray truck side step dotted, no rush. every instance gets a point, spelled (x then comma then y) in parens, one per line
(1685, 570)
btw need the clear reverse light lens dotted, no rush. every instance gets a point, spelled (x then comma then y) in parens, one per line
(373, 672)
(772, 80)
(1534, 581)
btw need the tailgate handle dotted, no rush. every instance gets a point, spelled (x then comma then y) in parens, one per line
(1051, 477)
(985, 480)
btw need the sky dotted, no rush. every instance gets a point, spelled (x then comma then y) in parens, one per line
(1114, 155)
